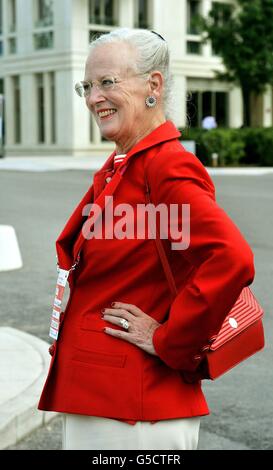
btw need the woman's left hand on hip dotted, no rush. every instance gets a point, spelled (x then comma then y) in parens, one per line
(141, 326)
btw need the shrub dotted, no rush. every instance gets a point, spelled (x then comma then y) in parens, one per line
(246, 146)
(258, 146)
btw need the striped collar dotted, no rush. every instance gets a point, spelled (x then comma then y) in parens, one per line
(118, 159)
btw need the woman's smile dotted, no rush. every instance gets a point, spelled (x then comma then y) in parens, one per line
(106, 113)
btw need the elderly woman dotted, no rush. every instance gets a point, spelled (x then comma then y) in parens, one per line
(127, 346)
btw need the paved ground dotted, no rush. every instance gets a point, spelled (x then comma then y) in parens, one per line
(38, 204)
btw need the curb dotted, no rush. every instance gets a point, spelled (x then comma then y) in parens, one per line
(19, 414)
(10, 255)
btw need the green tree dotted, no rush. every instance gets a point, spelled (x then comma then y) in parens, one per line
(243, 36)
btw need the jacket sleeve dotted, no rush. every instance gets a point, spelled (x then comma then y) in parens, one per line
(222, 258)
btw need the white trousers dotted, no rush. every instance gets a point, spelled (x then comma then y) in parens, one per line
(82, 432)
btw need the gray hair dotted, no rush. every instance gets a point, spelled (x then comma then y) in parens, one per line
(153, 54)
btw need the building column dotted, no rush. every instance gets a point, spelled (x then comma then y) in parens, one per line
(80, 115)
(77, 23)
(25, 25)
(9, 110)
(29, 102)
(173, 31)
(126, 13)
(267, 108)
(65, 112)
(235, 108)
(179, 100)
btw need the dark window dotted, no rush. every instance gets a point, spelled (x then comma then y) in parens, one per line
(102, 12)
(2, 123)
(207, 103)
(193, 10)
(43, 40)
(41, 108)
(44, 13)
(142, 20)
(109, 12)
(1, 16)
(94, 11)
(193, 47)
(17, 110)
(12, 45)
(192, 109)
(53, 108)
(95, 34)
(221, 108)
(12, 15)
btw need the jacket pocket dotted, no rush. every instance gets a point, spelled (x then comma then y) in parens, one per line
(92, 322)
(92, 337)
(99, 358)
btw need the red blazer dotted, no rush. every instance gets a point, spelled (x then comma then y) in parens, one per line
(93, 373)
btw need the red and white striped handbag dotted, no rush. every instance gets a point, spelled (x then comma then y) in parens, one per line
(240, 336)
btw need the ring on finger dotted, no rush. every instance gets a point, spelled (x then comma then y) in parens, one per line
(124, 323)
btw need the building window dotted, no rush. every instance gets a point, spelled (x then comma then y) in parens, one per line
(193, 47)
(207, 103)
(11, 27)
(95, 34)
(43, 40)
(40, 107)
(221, 108)
(1, 17)
(43, 24)
(142, 14)
(193, 32)
(12, 45)
(1, 28)
(11, 16)
(104, 12)
(17, 109)
(43, 13)
(193, 10)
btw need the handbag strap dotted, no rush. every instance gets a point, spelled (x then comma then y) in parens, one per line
(159, 245)
(100, 201)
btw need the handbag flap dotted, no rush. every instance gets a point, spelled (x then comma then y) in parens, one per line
(244, 313)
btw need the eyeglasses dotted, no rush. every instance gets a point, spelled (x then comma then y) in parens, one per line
(106, 84)
(83, 88)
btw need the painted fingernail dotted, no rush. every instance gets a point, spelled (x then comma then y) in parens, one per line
(103, 310)
(113, 304)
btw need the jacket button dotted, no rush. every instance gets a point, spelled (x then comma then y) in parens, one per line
(108, 179)
(197, 357)
(213, 338)
(205, 348)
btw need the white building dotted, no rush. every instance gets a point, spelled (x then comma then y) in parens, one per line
(43, 47)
